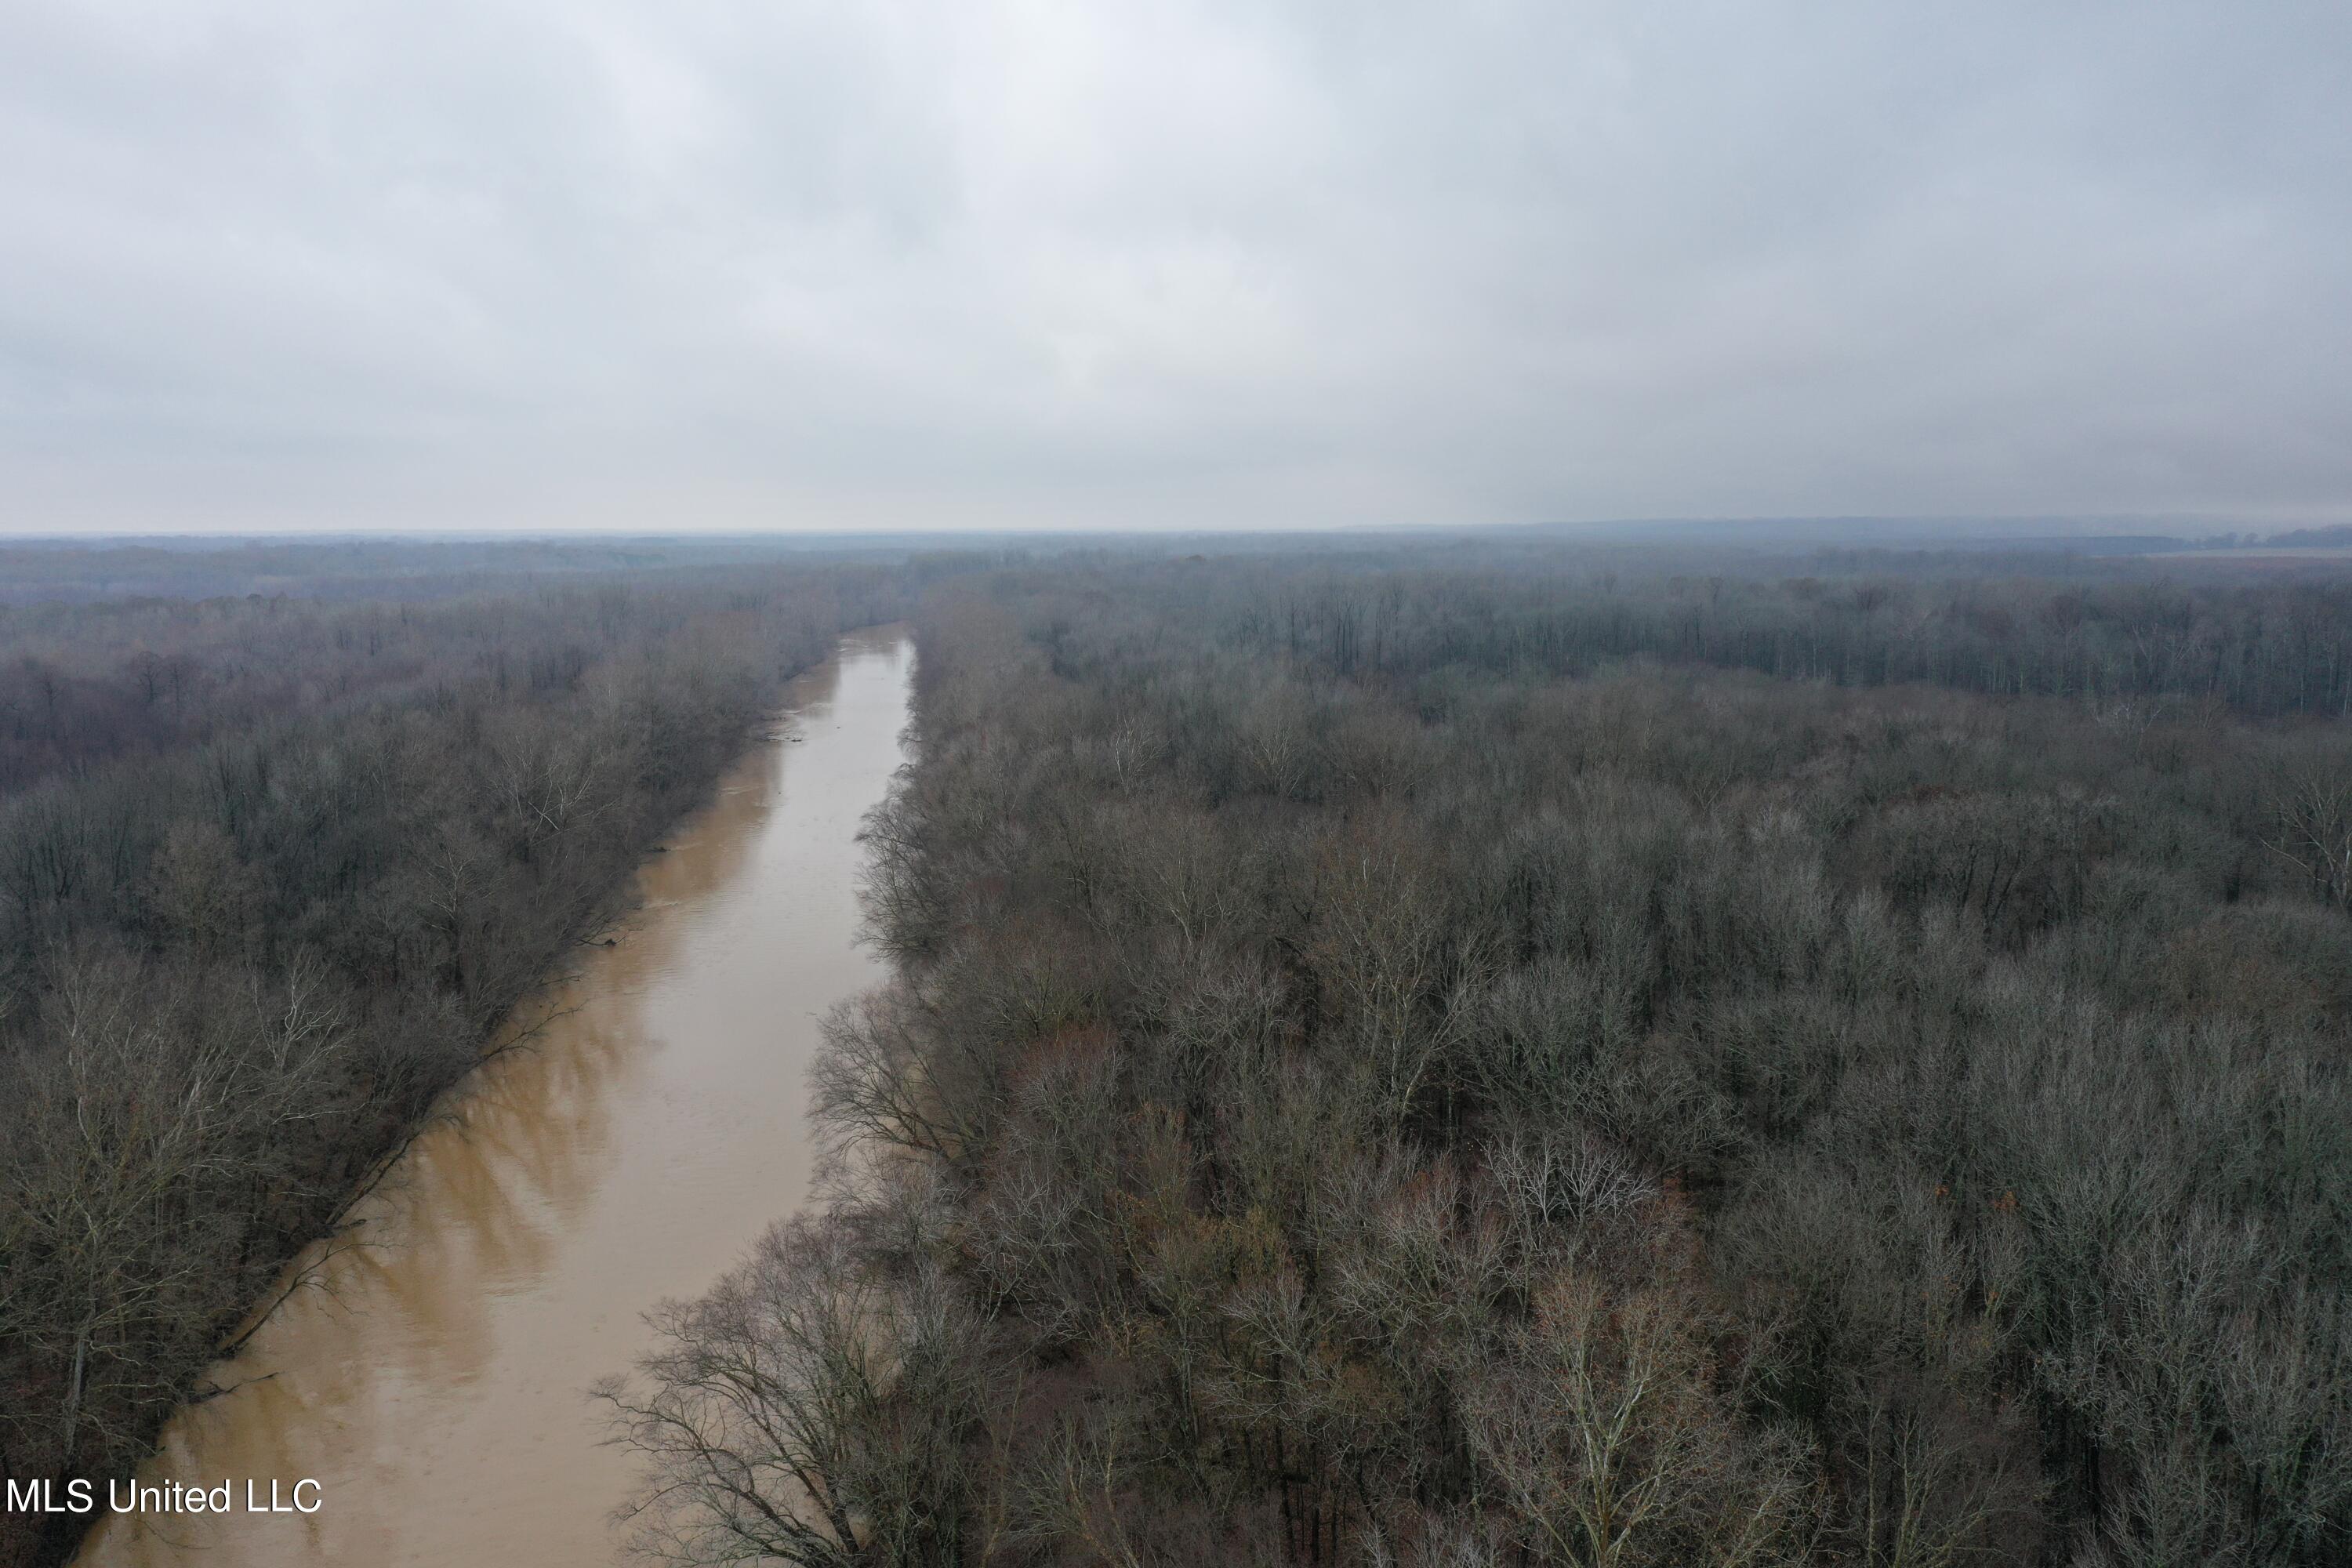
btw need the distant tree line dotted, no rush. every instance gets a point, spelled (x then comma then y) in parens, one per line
(2267, 649)
(1420, 1068)
(415, 571)
(83, 684)
(281, 871)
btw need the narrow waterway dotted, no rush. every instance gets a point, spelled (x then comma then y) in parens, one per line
(435, 1388)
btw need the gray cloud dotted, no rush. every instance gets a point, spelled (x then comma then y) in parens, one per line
(577, 262)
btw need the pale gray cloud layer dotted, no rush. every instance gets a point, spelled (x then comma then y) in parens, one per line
(1172, 262)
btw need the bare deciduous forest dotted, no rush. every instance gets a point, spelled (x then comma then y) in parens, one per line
(273, 870)
(1502, 1053)
(1438, 1066)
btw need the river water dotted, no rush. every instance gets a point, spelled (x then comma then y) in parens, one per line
(434, 1389)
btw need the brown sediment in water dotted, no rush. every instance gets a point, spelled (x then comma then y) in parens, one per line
(434, 1388)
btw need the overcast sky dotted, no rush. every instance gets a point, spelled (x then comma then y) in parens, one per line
(771, 263)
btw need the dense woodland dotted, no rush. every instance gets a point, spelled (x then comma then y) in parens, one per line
(1498, 1053)
(2259, 648)
(272, 872)
(67, 571)
(1445, 1067)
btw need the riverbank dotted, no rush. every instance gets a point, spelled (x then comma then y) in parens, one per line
(433, 1389)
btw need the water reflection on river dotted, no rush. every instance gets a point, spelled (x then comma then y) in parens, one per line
(434, 1391)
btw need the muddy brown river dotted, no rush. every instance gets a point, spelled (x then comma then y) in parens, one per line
(434, 1389)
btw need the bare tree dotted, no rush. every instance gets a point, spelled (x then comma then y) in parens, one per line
(2312, 830)
(813, 1409)
(1604, 1436)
